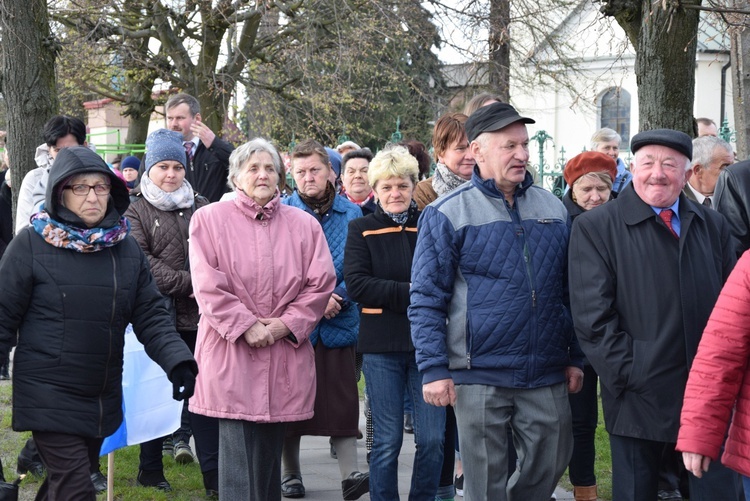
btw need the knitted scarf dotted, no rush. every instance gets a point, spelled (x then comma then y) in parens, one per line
(182, 198)
(444, 180)
(66, 236)
(323, 205)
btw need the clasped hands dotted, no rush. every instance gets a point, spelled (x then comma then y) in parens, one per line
(265, 332)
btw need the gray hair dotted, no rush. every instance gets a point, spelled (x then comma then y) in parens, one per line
(241, 155)
(178, 99)
(703, 149)
(604, 135)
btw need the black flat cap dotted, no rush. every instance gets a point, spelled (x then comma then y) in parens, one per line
(491, 118)
(674, 139)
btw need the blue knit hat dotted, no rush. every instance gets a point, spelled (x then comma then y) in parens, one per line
(335, 158)
(163, 145)
(130, 162)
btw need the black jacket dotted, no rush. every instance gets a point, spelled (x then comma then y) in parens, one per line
(70, 310)
(377, 271)
(640, 299)
(163, 236)
(209, 169)
(732, 198)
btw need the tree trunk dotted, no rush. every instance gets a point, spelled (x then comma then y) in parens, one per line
(499, 67)
(139, 106)
(665, 67)
(740, 54)
(28, 68)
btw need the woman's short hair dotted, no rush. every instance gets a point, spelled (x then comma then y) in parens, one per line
(418, 151)
(448, 129)
(604, 135)
(241, 155)
(601, 176)
(361, 153)
(308, 148)
(479, 100)
(393, 161)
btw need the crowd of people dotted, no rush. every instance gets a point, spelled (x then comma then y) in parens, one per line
(487, 316)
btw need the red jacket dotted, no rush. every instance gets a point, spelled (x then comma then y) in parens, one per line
(719, 380)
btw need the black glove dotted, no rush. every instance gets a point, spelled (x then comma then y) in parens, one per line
(183, 377)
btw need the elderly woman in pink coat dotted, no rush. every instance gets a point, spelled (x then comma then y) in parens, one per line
(262, 275)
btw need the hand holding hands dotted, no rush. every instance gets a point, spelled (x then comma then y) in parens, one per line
(440, 393)
(276, 327)
(334, 306)
(258, 336)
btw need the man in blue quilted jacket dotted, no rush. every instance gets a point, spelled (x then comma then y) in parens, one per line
(492, 331)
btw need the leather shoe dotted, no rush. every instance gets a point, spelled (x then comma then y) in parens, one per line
(669, 495)
(356, 485)
(292, 486)
(153, 479)
(99, 481)
(408, 423)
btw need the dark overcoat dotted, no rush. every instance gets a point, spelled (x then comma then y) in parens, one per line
(640, 300)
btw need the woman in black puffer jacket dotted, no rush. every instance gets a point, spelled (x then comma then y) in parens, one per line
(72, 282)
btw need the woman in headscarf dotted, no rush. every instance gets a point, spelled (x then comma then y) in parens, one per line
(72, 281)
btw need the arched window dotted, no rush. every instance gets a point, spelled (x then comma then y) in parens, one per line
(614, 112)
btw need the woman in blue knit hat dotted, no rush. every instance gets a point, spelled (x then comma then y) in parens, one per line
(160, 218)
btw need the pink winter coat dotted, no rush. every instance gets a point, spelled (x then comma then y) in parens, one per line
(247, 263)
(719, 380)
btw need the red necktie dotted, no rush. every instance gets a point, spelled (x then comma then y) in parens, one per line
(666, 216)
(189, 150)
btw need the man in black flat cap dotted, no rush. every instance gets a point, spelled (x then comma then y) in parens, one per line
(489, 321)
(645, 271)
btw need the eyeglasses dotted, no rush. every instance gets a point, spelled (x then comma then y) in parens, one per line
(83, 190)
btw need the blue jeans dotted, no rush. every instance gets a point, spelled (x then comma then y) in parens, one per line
(388, 376)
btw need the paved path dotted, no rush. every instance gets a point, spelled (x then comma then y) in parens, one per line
(322, 479)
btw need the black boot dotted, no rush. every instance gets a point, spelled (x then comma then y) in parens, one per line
(29, 460)
(211, 483)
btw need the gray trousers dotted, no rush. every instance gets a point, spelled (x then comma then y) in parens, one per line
(250, 460)
(542, 434)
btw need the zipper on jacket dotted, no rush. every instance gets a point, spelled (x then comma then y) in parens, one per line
(153, 230)
(530, 276)
(111, 322)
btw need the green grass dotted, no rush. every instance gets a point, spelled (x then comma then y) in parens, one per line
(186, 480)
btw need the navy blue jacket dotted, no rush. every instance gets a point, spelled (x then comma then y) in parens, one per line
(488, 296)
